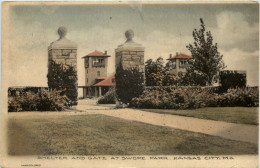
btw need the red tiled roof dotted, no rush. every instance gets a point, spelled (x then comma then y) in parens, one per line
(109, 81)
(180, 56)
(96, 54)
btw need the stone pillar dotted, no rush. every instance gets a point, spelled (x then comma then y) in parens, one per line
(99, 91)
(96, 91)
(130, 54)
(177, 66)
(64, 51)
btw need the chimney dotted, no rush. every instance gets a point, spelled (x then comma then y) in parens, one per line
(105, 52)
(177, 53)
(170, 55)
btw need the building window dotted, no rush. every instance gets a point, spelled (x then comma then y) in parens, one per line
(98, 73)
(98, 62)
(87, 80)
(86, 62)
(184, 63)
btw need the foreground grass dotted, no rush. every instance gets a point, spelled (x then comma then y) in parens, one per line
(241, 115)
(102, 135)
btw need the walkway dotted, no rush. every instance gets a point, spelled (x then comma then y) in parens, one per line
(240, 132)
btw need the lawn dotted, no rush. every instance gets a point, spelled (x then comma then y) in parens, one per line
(241, 115)
(103, 135)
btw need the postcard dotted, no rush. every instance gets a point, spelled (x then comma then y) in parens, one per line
(130, 84)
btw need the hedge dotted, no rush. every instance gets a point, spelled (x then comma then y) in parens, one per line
(44, 100)
(195, 97)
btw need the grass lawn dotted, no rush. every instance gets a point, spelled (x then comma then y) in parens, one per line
(103, 135)
(241, 115)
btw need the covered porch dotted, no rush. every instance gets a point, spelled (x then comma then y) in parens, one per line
(94, 91)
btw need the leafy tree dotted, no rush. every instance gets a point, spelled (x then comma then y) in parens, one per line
(157, 74)
(129, 83)
(206, 61)
(63, 77)
(154, 72)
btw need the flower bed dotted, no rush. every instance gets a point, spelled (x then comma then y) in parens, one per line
(42, 101)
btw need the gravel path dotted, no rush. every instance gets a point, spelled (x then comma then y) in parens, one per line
(240, 132)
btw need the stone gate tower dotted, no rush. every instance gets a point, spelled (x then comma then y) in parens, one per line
(63, 51)
(130, 54)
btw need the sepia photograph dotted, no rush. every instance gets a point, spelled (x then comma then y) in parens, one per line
(130, 84)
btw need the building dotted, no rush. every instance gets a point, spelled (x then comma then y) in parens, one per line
(104, 85)
(178, 63)
(96, 81)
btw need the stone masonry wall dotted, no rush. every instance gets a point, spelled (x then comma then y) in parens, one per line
(64, 56)
(130, 58)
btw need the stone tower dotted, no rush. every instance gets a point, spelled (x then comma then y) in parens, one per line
(95, 66)
(63, 51)
(130, 54)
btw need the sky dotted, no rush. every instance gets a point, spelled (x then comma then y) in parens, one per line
(161, 28)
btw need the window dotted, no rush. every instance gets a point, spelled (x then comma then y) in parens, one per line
(98, 62)
(87, 80)
(98, 73)
(86, 62)
(184, 63)
(87, 71)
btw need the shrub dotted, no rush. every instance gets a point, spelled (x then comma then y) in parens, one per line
(129, 83)
(239, 97)
(191, 78)
(231, 80)
(42, 101)
(108, 98)
(194, 97)
(63, 77)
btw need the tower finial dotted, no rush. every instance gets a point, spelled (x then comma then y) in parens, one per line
(129, 34)
(62, 31)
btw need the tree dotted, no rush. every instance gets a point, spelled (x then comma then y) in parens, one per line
(154, 72)
(231, 80)
(206, 61)
(191, 78)
(157, 74)
(63, 77)
(129, 83)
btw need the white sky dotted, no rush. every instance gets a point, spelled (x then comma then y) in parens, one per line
(161, 29)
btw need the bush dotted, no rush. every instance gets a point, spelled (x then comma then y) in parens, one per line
(192, 78)
(194, 97)
(42, 101)
(129, 83)
(63, 77)
(108, 98)
(239, 97)
(232, 80)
